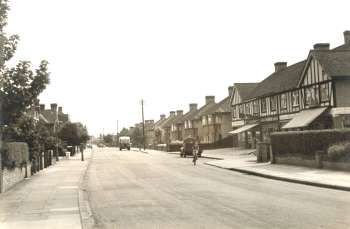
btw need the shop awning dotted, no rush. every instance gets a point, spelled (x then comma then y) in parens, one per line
(304, 118)
(243, 128)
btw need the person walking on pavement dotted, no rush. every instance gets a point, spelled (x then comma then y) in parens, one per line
(195, 152)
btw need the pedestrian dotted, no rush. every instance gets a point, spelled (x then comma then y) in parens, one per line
(195, 152)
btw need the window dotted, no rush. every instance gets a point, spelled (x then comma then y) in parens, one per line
(241, 111)
(273, 103)
(217, 119)
(324, 92)
(247, 108)
(283, 101)
(263, 105)
(311, 97)
(204, 120)
(189, 124)
(295, 98)
(234, 115)
(256, 107)
(210, 119)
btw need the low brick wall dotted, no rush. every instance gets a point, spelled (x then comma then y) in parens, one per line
(11, 177)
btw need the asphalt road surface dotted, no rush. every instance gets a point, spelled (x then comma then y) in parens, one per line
(130, 189)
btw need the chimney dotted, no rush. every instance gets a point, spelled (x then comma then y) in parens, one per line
(280, 66)
(321, 46)
(54, 107)
(230, 90)
(42, 107)
(347, 37)
(209, 99)
(162, 116)
(179, 112)
(193, 106)
(60, 110)
(172, 113)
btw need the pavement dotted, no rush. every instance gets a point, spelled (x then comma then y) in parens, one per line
(244, 161)
(48, 199)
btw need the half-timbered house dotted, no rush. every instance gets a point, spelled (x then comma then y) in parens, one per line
(311, 94)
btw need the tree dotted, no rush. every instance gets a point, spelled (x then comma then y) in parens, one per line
(136, 137)
(124, 132)
(19, 86)
(73, 134)
(108, 139)
(158, 136)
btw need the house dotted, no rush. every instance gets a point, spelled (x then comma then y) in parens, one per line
(149, 132)
(157, 130)
(53, 117)
(311, 94)
(165, 128)
(189, 130)
(194, 122)
(216, 121)
(240, 93)
(176, 134)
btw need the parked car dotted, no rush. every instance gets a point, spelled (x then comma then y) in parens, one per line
(187, 148)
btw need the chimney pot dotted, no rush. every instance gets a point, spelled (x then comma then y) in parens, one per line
(230, 90)
(172, 113)
(347, 37)
(179, 112)
(321, 46)
(280, 66)
(42, 107)
(193, 106)
(209, 99)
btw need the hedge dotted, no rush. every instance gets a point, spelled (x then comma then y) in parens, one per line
(14, 154)
(306, 143)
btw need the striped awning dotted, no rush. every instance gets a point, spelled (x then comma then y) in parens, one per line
(243, 128)
(304, 118)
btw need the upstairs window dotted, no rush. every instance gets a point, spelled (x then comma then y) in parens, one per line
(295, 98)
(324, 92)
(311, 97)
(256, 107)
(263, 105)
(204, 120)
(283, 101)
(210, 119)
(217, 119)
(247, 108)
(273, 103)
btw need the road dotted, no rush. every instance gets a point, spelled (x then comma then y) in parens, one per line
(130, 189)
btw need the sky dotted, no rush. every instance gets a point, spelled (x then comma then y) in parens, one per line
(107, 55)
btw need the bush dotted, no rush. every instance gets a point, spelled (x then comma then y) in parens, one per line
(339, 150)
(306, 143)
(14, 154)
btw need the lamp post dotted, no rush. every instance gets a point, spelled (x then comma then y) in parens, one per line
(143, 127)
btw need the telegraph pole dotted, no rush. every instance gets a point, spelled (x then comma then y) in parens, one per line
(143, 127)
(117, 132)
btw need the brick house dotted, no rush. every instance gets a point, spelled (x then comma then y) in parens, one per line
(149, 132)
(177, 126)
(193, 122)
(53, 117)
(157, 130)
(311, 94)
(165, 128)
(216, 121)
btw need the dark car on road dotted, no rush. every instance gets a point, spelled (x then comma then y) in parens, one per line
(187, 148)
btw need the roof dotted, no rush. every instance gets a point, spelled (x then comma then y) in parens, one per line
(244, 89)
(203, 110)
(159, 122)
(335, 63)
(49, 115)
(220, 107)
(168, 121)
(282, 80)
(304, 118)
